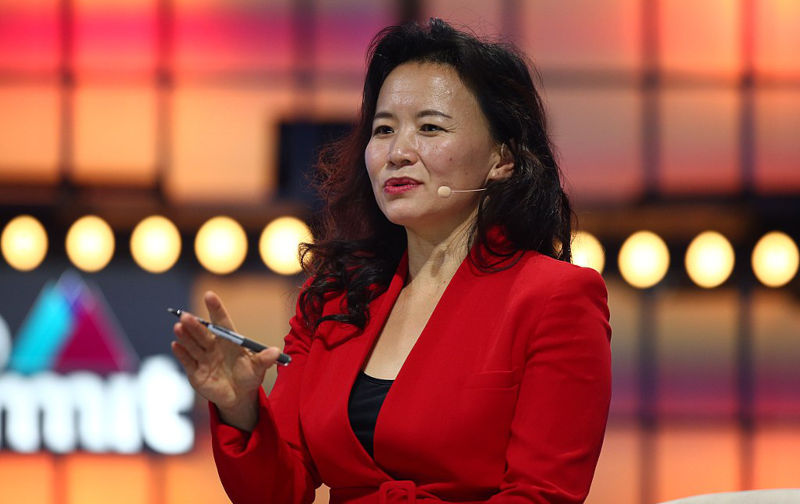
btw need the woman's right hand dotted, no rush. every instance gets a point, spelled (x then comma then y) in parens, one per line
(223, 372)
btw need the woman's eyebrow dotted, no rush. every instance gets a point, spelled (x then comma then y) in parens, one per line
(432, 112)
(421, 113)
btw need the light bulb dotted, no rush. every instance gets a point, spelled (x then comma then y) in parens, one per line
(643, 259)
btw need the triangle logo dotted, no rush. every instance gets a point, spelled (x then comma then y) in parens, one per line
(70, 327)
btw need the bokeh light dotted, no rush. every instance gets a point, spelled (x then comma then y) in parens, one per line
(775, 259)
(588, 252)
(24, 243)
(90, 243)
(643, 259)
(279, 242)
(709, 259)
(221, 245)
(155, 244)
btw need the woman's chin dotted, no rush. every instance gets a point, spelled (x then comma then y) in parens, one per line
(403, 213)
(405, 220)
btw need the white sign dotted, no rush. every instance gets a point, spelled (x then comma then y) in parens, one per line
(82, 410)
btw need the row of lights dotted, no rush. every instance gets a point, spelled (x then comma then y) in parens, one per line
(220, 244)
(644, 258)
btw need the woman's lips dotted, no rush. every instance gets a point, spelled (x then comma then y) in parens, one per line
(399, 185)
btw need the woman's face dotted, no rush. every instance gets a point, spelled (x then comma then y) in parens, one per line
(428, 131)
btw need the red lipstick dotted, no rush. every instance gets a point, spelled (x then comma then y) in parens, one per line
(397, 185)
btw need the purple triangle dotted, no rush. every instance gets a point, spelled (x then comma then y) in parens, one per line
(96, 343)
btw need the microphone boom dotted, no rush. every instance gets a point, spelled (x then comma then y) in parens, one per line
(445, 191)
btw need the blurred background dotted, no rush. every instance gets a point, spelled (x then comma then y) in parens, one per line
(146, 145)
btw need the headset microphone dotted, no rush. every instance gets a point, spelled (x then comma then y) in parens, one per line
(445, 191)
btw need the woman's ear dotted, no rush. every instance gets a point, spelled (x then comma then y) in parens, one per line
(504, 166)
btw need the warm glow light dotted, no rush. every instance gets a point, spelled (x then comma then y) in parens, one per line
(90, 243)
(588, 252)
(279, 242)
(221, 245)
(775, 259)
(709, 259)
(155, 244)
(643, 259)
(24, 243)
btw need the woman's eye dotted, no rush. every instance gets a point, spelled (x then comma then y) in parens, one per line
(381, 130)
(431, 127)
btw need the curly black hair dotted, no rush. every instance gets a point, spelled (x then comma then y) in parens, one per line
(357, 249)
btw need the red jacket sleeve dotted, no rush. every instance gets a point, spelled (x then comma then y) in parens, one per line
(271, 464)
(559, 421)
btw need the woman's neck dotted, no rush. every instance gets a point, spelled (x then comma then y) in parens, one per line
(433, 260)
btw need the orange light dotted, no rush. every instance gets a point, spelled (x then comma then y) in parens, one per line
(90, 243)
(643, 259)
(279, 242)
(24, 243)
(588, 252)
(155, 244)
(221, 245)
(709, 259)
(775, 259)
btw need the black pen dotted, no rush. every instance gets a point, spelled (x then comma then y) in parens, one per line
(235, 337)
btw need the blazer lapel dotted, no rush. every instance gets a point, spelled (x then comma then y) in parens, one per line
(347, 348)
(336, 333)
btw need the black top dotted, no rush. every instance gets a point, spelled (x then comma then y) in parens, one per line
(365, 402)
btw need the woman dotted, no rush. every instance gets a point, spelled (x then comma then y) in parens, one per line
(440, 295)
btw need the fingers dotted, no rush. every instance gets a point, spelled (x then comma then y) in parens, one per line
(216, 311)
(189, 341)
(190, 328)
(189, 364)
(266, 358)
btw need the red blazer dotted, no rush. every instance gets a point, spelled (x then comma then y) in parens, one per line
(503, 399)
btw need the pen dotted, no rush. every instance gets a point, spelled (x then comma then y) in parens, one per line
(235, 337)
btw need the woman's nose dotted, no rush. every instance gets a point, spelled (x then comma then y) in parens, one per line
(403, 151)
